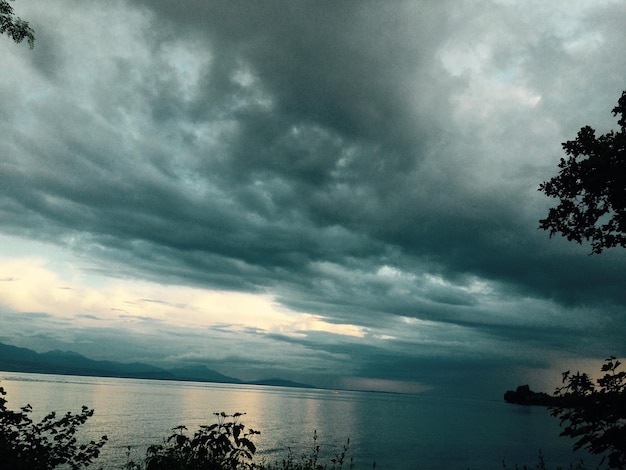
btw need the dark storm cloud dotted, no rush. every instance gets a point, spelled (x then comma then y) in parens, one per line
(372, 163)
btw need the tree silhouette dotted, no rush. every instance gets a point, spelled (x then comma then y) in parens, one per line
(591, 186)
(595, 413)
(14, 26)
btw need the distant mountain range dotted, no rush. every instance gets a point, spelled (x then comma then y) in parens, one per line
(15, 359)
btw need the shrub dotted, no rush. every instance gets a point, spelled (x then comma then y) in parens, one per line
(595, 414)
(27, 445)
(312, 460)
(224, 445)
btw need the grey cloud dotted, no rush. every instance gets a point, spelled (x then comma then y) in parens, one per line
(303, 149)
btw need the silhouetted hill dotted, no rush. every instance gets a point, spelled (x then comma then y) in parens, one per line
(15, 359)
(201, 374)
(280, 383)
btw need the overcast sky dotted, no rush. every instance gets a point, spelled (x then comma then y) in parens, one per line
(340, 193)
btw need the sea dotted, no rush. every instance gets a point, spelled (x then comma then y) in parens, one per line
(384, 431)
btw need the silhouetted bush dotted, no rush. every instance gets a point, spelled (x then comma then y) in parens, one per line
(595, 413)
(224, 445)
(311, 460)
(541, 465)
(27, 445)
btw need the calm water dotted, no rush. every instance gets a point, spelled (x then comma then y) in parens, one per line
(395, 431)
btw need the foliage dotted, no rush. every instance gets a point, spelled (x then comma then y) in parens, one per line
(226, 445)
(26, 445)
(591, 186)
(312, 460)
(595, 414)
(14, 26)
(223, 445)
(541, 465)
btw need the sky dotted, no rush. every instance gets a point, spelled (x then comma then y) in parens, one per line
(338, 193)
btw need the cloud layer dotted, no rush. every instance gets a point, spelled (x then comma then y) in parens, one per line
(365, 170)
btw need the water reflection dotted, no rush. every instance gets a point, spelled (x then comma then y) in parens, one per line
(396, 431)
